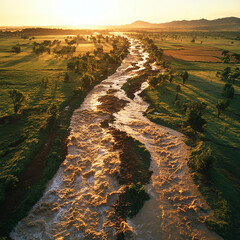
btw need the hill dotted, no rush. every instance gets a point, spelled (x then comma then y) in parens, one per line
(221, 24)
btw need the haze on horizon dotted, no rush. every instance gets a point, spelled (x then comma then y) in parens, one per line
(110, 12)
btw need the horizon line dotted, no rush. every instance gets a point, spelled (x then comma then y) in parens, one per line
(101, 26)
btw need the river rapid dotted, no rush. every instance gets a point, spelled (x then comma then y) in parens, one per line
(77, 203)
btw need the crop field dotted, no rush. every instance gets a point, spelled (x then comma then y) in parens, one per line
(222, 133)
(195, 54)
(203, 49)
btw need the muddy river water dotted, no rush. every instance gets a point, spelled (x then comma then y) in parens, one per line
(77, 203)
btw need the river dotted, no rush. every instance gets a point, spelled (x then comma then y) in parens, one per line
(77, 203)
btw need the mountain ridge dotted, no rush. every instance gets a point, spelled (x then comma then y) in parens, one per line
(227, 23)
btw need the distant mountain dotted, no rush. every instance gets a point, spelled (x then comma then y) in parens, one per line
(224, 24)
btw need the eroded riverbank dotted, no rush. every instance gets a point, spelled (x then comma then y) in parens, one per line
(78, 201)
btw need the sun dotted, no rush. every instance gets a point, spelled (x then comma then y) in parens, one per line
(91, 12)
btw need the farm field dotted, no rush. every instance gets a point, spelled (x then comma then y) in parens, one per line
(203, 49)
(222, 134)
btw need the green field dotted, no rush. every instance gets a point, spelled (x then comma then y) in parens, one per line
(222, 189)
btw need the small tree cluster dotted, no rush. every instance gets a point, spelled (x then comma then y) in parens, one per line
(229, 75)
(226, 56)
(157, 80)
(154, 51)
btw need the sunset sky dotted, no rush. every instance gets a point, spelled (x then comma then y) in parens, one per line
(111, 12)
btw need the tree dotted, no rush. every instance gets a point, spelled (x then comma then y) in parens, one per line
(226, 55)
(54, 111)
(194, 112)
(171, 77)
(17, 99)
(221, 106)
(16, 49)
(228, 90)
(237, 57)
(153, 81)
(224, 75)
(184, 76)
(87, 81)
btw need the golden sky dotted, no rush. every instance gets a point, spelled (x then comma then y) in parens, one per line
(111, 12)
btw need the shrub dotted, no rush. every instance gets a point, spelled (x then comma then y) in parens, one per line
(87, 81)
(201, 159)
(54, 111)
(228, 90)
(222, 105)
(136, 195)
(184, 76)
(78, 91)
(16, 49)
(153, 81)
(17, 99)
(194, 112)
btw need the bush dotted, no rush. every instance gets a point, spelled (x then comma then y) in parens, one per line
(16, 49)
(17, 99)
(184, 76)
(194, 112)
(87, 81)
(136, 195)
(222, 105)
(228, 90)
(201, 159)
(78, 92)
(153, 81)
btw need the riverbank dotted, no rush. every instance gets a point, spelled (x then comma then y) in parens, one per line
(48, 148)
(215, 148)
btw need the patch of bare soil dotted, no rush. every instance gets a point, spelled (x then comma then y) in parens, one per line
(111, 103)
(196, 54)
